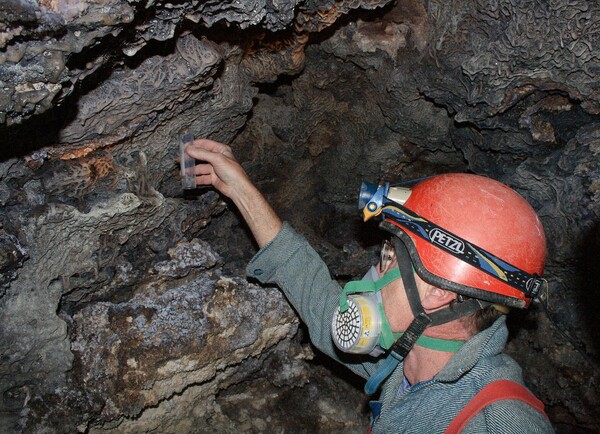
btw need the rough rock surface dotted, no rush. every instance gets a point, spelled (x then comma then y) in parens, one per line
(122, 302)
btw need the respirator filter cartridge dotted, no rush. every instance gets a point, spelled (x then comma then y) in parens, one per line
(356, 330)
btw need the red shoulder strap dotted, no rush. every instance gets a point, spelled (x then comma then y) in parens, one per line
(495, 391)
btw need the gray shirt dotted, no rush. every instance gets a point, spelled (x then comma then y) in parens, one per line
(290, 262)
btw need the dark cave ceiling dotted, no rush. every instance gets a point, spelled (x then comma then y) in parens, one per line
(123, 303)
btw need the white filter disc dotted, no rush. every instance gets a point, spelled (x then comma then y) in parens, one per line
(357, 329)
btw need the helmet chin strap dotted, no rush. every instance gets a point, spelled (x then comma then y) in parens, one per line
(421, 321)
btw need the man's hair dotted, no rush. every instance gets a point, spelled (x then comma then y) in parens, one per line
(483, 318)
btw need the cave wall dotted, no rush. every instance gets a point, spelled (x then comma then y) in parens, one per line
(123, 305)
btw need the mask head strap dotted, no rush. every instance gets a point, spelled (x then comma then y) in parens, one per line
(367, 286)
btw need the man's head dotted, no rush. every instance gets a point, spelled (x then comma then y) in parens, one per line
(472, 241)
(468, 234)
(461, 242)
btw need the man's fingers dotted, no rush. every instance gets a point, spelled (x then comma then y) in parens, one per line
(203, 180)
(216, 165)
(204, 174)
(211, 146)
(209, 156)
(199, 153)
(203, 169)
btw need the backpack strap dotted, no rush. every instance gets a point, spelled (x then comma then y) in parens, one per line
(495, 391)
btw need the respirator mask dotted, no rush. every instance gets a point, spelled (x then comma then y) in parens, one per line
(359, 326)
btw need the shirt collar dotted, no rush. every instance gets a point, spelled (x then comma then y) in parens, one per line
(488, 342)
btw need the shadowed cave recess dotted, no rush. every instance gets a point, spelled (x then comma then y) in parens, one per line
(124, 307)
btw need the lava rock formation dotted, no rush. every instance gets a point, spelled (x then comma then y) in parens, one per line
(123, 302)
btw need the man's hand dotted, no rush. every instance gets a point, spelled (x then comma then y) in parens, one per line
(218, 167)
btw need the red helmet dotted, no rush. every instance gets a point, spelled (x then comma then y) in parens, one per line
(489, 217)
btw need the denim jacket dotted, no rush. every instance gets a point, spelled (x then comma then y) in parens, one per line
(427, 407)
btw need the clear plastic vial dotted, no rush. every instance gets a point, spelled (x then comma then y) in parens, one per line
(188, 177)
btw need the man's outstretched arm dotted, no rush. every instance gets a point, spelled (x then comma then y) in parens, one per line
(289, 261)
(219, 168)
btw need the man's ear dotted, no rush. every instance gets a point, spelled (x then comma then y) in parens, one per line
(436, 298)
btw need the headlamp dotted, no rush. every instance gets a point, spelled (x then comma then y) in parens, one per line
(367, 191)
(372, 198)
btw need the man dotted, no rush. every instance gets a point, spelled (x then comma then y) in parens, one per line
(465, 249)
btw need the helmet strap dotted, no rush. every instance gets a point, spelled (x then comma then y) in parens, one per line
(421, 321)
(438, 317)
(440, 282)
